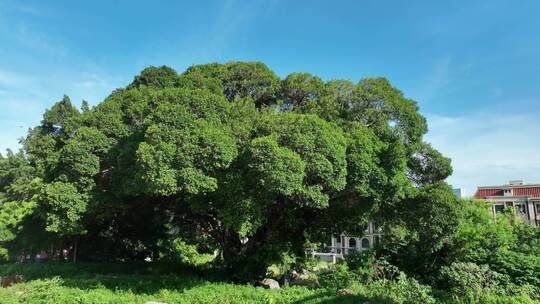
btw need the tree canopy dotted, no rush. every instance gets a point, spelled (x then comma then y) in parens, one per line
(227, 158)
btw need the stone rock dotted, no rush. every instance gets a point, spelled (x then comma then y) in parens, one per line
(346, 292)
(269, 284)
(11, 280)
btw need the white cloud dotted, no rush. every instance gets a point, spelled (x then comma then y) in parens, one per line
(488, 148)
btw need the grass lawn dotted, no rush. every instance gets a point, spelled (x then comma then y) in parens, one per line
(68, 283)
(128, 283)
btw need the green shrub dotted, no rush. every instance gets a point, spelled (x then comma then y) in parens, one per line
(413, 292)
(179, 251)
(284, 267)
(468, 280)
(4, 255)
(362, 263)
(400, 290)
(383, 270)
(51, 283)
(522, 268)
(337, 277)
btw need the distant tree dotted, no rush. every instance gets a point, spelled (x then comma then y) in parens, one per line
(302, 90)
(155, 77)
(85, 107)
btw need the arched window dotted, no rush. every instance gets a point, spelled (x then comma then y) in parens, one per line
(352, 243)
(365, 243)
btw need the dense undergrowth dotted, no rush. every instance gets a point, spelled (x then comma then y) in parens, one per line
(138, 283)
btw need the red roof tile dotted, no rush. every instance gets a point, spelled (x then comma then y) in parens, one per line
(482, 193)
(530, 191)
(518, 191)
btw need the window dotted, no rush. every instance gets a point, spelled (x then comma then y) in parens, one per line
(499, 208)
(352, 243)
(538, 207)
(365, 243)
(520, 208)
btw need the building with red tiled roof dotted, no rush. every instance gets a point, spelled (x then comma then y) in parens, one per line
(524, 198)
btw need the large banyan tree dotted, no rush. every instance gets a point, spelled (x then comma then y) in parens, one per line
(226, 157)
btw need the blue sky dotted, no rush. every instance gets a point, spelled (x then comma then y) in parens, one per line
(473, 66)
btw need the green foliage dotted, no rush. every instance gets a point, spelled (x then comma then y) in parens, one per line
(504, 243)
(301, 91)
(429, 223)
(231, 164)
(64, 207)
(186, 143)
(139, 283)
(379, 105)
(155, 77)
(480, 235)
(321, 146)
(231, 159)
(62, 119)
(16, 176)
(404, 290)
(278, 169)
(337, 277)
(429, 166)
(521, 268)
(470, 281)
(179, 251)
(250, 79)
(366, 266)
(12, 214)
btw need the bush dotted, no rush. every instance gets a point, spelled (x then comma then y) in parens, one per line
(402, 289)
(135, 283)
(4, 256)
(362, 263)
(337, 277)
(179, 251)
(284, 267)
(468, 280)
(414, 292)
(383, 270)
(522, 268)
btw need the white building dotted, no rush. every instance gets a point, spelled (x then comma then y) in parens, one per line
(523, 198)
(344, 243)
